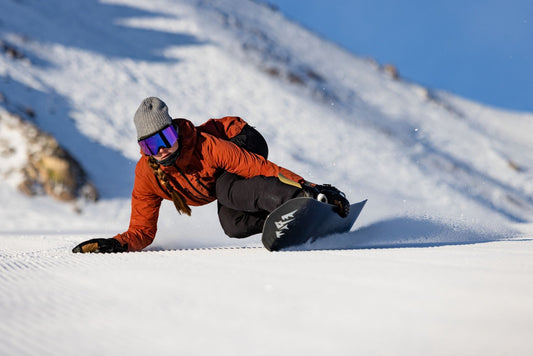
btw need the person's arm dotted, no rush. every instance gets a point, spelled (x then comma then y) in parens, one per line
(236, 160)
(143, 220)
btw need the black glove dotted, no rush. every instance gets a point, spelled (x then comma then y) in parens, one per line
(327, 193)
(100, 245)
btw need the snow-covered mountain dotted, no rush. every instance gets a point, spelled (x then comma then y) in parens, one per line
(438, 170)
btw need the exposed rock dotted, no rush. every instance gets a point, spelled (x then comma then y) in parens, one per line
(29, 112)
(274, 72)
(295, 78)
(39, 163)
(392, 71)
(11, 50)
(515, 166)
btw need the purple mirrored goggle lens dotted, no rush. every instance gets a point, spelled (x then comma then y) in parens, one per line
(164, 138)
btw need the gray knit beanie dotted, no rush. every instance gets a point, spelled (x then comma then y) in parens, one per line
(151, 116)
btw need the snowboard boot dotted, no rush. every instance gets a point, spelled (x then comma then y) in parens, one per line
(328, 194)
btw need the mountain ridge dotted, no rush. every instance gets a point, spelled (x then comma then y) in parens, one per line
(215, 58)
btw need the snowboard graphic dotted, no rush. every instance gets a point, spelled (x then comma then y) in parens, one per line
(305, 219)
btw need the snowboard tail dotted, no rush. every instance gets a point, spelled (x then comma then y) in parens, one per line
(305, 219)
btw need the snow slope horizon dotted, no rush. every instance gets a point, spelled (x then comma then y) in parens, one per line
(439, 171)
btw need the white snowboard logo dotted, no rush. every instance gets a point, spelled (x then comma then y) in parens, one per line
(283, 224)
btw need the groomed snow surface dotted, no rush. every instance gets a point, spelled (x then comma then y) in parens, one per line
(439, 262)
(467, 300)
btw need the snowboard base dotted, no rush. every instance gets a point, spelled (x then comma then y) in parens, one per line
(305, 219)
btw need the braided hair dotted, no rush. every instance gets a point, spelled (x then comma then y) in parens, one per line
(177, 198)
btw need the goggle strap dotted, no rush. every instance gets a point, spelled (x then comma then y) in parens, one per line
(164, 138)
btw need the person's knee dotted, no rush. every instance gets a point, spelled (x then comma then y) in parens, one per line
(236, 233)
(238, 224)
(235, 229)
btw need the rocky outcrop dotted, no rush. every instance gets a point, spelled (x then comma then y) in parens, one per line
(35, 163)
(391, 70)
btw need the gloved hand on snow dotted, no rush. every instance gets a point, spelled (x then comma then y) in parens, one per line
(100, 246)
(327, 193)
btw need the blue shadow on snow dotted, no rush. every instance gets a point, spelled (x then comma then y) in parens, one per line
(96, 27)
(403, 232)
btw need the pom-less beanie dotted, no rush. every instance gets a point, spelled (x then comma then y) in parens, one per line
(151, 116)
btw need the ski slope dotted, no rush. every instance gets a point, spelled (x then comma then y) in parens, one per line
(439, 262)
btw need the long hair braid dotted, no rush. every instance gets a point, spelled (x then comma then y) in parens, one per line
(177, 198)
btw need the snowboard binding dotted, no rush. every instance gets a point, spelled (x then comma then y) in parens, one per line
(328, 194)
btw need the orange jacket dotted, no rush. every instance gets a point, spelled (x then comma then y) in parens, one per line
(205, 153)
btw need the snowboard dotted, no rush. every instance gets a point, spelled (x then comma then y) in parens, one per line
(305, 219)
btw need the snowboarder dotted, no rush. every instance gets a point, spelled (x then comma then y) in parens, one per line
(223, 159)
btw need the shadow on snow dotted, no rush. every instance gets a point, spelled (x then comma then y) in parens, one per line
(96, 27)
(403, 232)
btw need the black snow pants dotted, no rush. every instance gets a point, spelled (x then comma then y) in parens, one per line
(244, 204)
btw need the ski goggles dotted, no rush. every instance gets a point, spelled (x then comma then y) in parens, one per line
(166, 138)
